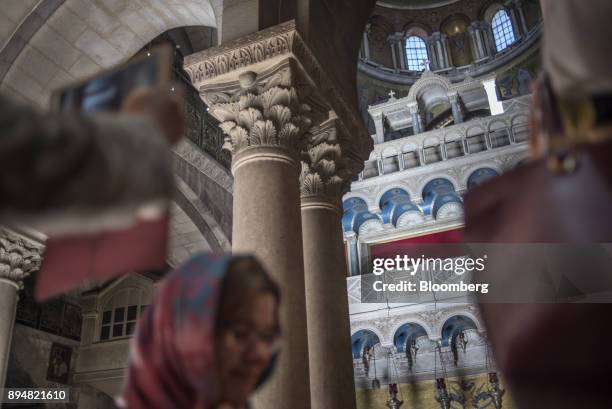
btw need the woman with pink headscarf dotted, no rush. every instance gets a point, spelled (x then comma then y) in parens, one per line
(209, 338)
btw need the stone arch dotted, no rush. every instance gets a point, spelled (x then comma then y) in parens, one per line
(453, 136)
(456, 322)
(425, 326)
(406, 332)
(417, 29)
(519, 126)
(357, 195)
(427, 80)
(431, 141)
(497, 124)
(446, 315)
(75, 39)
(389, 151)
(475, 129)
(387, 188)
(485, 165)
(409, 147)
(363, 337)
(449, 178)
(489, 10)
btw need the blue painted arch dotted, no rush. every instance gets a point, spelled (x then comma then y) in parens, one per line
(406, 333)
(362, 339)
(394, 203)
(454, 325)
(480, 176)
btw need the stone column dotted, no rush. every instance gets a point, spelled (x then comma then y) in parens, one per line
(446, 51)
(439, 52)
(477, 36)
(264, 131)
(268, 89)
(431, 50)
(521, 13)
(490, 40)
(366, 43)
(495, 105)
(380, 127)
(456, 108)
(472, 31)
(393, 54)
(439, 47)
(353, 256)
(511, 8)
(324, 178)
(18, 258)
(417, 121)
(401, 52)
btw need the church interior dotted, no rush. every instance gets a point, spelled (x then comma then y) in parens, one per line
(390, 111)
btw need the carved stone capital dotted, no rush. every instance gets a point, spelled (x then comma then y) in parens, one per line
(413, 108)
(18, 257)
(263, 113)
(326, 173)
(267, 88)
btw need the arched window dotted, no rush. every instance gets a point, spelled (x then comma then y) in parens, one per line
(416, 53)
(502, 30)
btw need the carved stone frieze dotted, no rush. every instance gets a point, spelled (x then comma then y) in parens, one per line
(241, 52)
(18, 257)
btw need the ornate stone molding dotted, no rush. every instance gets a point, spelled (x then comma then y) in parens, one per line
(18, 257)
(268, 53)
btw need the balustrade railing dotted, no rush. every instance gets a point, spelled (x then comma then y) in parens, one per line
(456, 141)
(202, 129)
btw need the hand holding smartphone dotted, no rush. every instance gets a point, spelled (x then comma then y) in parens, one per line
(140, 86)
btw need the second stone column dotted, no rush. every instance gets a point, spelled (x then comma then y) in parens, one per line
(322, 181)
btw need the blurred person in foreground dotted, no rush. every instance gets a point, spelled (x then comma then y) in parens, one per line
(209, 338)
(61, 172)
(556, 355)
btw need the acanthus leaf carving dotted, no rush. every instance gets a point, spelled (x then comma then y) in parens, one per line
(255, 117)
(324, 170)
(18, 257)
(263, 133)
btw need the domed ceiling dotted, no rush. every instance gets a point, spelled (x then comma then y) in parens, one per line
(415, 4)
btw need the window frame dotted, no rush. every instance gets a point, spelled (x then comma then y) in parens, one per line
(120, 315)
(409, 57)
(503, 27)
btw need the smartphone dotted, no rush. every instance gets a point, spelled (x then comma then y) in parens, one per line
(106, 90)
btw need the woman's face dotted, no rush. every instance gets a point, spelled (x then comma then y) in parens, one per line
(246, 342)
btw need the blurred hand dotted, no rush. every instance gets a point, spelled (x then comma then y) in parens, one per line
(163, 106)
